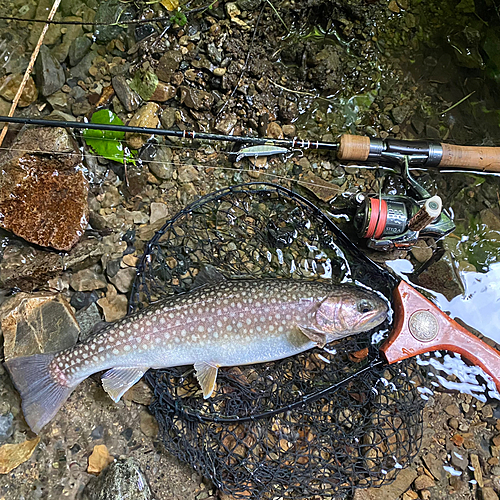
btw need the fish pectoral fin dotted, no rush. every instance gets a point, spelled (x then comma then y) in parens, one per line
(206, 374)
(208, 275)
(313, 334)
(117, 381)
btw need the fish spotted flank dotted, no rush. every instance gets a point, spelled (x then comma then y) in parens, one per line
(219, 323)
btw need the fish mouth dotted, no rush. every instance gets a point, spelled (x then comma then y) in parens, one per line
(373, 319)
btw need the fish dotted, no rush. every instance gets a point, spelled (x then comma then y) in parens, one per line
(221, 322)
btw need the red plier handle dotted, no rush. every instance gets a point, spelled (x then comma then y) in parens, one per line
(421, 327)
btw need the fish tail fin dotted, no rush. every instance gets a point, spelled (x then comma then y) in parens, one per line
(41, 394)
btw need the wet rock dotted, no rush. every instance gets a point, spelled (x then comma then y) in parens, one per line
(163, 92)
(289, 130)
(44, 200)
(168, 65)
(459, 458)
(59, 101)
(99, 459)
(140, 393)
(13, 455)
(442, 277)
(196, 99)
(146, 116)
(123, 279)
(88, 280)
(226, 124)
(36, 323)
(88, 318)
(149, 425)
(394, 490)
(488, 493)
(109, 13)
(6, 426)
(159, 211)
(399, 113)
(424, 482)
(9, 85)
(49, 73)
(324, 190)
(168, 117)
(137, 181)
(187, 173)
(114, 306)
(288, 110)
(274, 131)
(73, 31)
(421, 251)
(122, 479)
(159, 160)
(81, 70)
(78, 49)
(125, 94)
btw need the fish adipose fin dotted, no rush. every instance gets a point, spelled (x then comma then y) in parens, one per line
(207, 376)
(41, 394)
(117, 381)
(313, 334)
(209, 275)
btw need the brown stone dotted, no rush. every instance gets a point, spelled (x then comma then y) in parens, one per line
(322, 189)
(163, 92)
(274, 131)
(390, 491)
(146, 116)
(424, 482)
(10, 84)
(168, 65)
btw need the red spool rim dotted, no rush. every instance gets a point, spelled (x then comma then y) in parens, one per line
(378, 218)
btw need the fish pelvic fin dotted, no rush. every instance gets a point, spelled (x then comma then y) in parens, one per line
(41, 394)
(117, 381)
(206, 374)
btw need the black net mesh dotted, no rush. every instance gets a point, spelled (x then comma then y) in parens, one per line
(320, 423)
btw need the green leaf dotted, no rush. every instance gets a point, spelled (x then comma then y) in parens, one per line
(179, 18)
(467, 6)
(106, 143)
(144, 83)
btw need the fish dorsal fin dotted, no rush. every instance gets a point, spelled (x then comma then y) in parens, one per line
(117, 381)
(209, 275)
(206, 374)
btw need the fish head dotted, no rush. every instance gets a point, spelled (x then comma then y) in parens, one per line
(349, 310)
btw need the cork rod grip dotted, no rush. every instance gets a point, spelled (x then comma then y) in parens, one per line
(422, 327)
(353, 147)
(473, 157)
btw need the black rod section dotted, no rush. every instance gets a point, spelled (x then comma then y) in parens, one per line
(288, 143)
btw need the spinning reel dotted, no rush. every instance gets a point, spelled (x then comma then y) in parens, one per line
(390, 222)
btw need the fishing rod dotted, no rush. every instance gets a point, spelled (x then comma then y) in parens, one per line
(349, 148)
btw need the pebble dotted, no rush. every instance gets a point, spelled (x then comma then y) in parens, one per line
(163, 92)
(289, 130)
(459, 458)
(78, 49)
(124, 478)
(274, 131)
(168, 117)
(159, 160)
(50, 75)
(149, 425)
(125, 94)
(88, 279)
(226, 124)
(478, 474)
(114, 305)
(6, 426)
(123, 279)
(187, 174)
(488, 493)
(146, 116)
(424, 482)
(99, 459)
(389, 491)
(168, 65)
(421, 251)
(37, 323)
(159, 211)
(88, 318)
(140, 393)
(195, 98)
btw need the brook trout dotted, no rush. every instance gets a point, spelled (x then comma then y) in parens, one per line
(221, 322)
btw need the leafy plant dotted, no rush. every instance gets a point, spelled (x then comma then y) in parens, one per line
(107, 143)
(144, 83)
(179, 18)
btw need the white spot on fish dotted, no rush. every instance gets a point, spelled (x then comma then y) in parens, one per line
(162, 320)
(116, 352)
(201, 328)
(126, 348)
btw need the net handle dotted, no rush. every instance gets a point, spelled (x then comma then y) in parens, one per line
(421, 327)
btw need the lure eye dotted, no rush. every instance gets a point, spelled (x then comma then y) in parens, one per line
(364, 307)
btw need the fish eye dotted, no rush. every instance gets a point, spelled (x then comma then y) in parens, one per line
(364, 307)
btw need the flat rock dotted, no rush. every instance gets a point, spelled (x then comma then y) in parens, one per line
(168, 65)
(123, 279)
(9, 85)
(114, 306)
(146, 116)
(44, 200)
(159, 211)
(87, 280)
(389, 491)
(49, 73)
(163, 92)
(37, 323)
(122, 479)
(196, 99)
(125, 94)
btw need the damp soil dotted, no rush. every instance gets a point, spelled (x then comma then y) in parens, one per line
(315, 69)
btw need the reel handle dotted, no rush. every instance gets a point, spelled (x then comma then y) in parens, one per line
(362, 148)
(421, 327)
